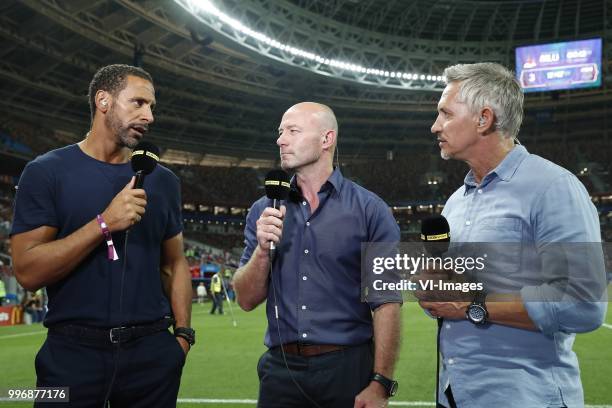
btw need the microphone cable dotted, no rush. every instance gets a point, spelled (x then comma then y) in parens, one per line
(143, 161)
(280, 339)
(118, 348)
(337, 154)
(440, 320)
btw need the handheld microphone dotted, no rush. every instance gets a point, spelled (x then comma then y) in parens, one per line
(277, 188)
(144, 159)
(435, 235)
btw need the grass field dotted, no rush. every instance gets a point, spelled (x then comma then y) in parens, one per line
(222, 364)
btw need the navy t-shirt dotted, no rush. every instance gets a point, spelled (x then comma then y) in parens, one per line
(66, 189)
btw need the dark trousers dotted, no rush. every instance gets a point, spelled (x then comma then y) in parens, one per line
(148, 373)
(331, 380)
(217, 303)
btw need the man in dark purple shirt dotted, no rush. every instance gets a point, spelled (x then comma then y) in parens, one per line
(340, 351)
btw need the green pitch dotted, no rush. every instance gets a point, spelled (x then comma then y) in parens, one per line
(222, 364)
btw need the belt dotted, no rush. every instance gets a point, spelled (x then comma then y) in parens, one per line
(114, 335)
(310, 350)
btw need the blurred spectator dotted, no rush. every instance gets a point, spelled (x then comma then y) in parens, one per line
(201, 292)
(2, 291)
(227, 281)
(216, 291)
(194, 268)
(32, 304)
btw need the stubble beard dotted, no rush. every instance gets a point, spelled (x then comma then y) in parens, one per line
(122, 132)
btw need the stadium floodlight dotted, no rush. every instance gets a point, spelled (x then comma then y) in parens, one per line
(206, 12)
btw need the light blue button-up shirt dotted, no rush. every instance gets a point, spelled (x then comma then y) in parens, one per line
(530, 200)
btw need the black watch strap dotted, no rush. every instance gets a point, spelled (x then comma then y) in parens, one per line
(389, 384)
(477, 312)
(186, 333)
(480, 298)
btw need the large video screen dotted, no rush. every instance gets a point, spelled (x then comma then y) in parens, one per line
(563, 65)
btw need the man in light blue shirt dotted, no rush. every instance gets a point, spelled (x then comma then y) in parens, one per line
(521, 356)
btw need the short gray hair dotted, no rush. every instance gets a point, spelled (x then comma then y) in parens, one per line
(489, 84)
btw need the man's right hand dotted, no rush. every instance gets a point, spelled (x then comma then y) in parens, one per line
(270, 227)
(126, 209)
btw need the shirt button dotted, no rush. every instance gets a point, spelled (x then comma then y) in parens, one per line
(450, 361)
(304, 335)
(305, 251)
(303, 307)
(479, 191)
(468, 222)
(308, 223)
(304, 278)
(303, 202)
(447, 326)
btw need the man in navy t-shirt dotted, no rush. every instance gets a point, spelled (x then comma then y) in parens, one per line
(110, 303)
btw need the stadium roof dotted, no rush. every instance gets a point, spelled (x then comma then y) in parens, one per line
(219, 94)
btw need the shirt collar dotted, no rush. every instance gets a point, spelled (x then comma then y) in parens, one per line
(334, 182)
(336, 179)
(504, 170)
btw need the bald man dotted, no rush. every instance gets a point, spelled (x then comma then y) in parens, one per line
(340, 351)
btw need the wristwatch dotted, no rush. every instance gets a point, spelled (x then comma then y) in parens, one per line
(390, 385)
(185, 332)
(477, 311)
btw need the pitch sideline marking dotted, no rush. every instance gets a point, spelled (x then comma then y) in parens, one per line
(252, 401)
(9, 336)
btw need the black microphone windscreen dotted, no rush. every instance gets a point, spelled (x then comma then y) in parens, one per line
(435, 234)
(145, 157)
(277, 185)
(435, 228)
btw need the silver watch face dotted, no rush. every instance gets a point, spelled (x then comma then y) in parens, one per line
(393, 389)
(476, 313)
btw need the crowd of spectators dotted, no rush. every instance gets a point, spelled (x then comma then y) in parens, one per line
(6, 215)
(418, 175)
(217, 185)
(412, 178)
(228, 242)
(206, 261)
(26, 138)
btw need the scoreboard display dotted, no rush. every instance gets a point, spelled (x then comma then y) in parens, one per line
(563, 65)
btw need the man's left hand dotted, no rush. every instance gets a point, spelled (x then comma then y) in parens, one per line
(184, 344)
(446, 310)
(373, 396)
